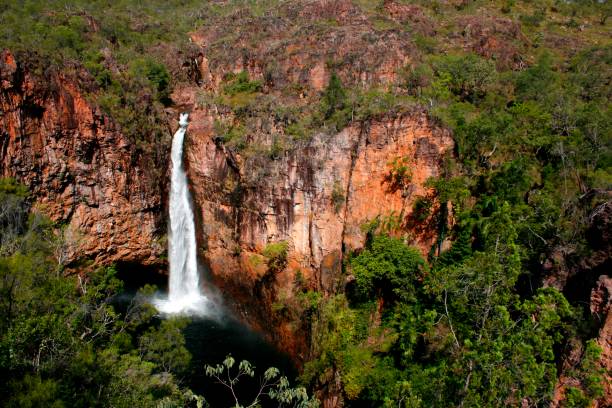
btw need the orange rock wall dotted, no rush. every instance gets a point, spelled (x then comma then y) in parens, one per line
(291, 199)
(80, 169)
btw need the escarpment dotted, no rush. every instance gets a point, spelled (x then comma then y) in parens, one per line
(82, 171)
(312, 128)
(317, 200)
(258, 185)
(317, 197)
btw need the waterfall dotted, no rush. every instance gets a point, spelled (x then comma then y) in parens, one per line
(184, 293)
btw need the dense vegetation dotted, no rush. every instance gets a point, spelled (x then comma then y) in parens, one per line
(532, 161)
(62, 343)
(471, 326)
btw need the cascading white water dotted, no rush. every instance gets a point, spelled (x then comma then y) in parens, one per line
(184, 293)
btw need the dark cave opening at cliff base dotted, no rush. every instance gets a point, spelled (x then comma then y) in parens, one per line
(209, 341)
(134, 276)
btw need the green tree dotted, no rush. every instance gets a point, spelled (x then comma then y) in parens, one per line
(470, 75)
(62, 343)
(387, 267)
(241, 83)
(156, 73)
(591, 377)
(165, 346)
(271, 385)
(334, 103)
(276, 256)
(503, 347)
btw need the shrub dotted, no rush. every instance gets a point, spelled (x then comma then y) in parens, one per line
(425, 43)
(155, 73)
(534, 19)
(232, 135)
(337, 196)
(470, 75)
(277, 148)
(334, 96)
(538, 81)
(414, 79)
(276, 254)
(421, 209)
(507, 6)
(376, 103)
(240, 83)
(333, 106)
(400, 173)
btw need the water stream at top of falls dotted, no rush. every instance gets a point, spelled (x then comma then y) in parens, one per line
(184, 293)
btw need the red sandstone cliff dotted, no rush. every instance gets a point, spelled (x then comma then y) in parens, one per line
(80, 169)
(316, 196)
(292, 200)
(84, 172)
(601, 305)
(590, 281)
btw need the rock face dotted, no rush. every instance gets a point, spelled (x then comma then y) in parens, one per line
(316, 198)
(494, 38)
(601, 294)
(304, 43)
(80, 169)
(318, 194)
(605, 342)
(601, 307)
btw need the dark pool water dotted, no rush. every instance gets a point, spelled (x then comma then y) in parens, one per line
(210, 340)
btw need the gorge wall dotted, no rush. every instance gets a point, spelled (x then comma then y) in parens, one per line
(81, 170)
(317, 199)
(317, 195)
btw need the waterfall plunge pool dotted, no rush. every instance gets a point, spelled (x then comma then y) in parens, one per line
(210, 340)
